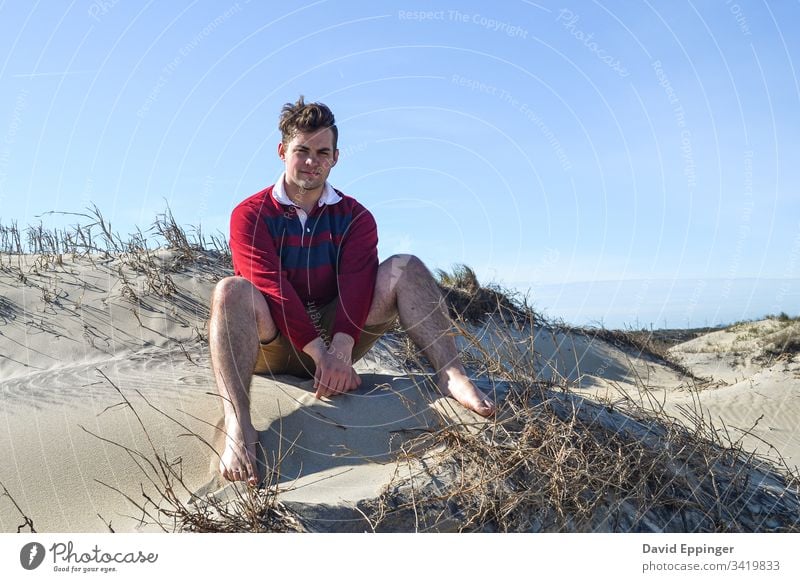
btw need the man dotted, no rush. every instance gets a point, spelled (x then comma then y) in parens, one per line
(309, 297)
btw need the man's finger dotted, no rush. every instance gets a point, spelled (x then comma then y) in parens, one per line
(316, 382)
(337, 385)
(347, 383)
(320, 384)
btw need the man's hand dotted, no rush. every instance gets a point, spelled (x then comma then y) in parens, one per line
(335, 373)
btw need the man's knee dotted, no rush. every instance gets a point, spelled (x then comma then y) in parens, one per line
(402, 259)
(402, 265)
(238, 292)
(238, 297)
(228, 291)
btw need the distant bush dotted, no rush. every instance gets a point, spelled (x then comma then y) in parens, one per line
(469, 300)
(783, 317)
(785, 341)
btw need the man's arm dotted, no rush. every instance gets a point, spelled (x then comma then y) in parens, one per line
(357, 270)
(256, 259)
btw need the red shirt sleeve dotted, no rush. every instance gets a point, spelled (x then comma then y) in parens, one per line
(256, 259)
(357, 270)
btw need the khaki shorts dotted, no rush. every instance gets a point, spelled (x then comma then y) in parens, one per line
(279, 356)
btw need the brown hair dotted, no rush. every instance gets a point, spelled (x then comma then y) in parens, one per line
(302, 116)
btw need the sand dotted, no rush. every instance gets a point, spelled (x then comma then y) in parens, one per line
(80, 337)
(753, 393)
(67, 365)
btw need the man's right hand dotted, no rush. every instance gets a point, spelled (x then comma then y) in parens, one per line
(334, 376)
(334, 371)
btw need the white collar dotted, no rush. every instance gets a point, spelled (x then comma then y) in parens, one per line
(329, 195)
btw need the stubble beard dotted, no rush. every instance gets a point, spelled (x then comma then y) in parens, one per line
(307, 183)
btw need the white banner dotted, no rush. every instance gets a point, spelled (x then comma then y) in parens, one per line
(389, 557)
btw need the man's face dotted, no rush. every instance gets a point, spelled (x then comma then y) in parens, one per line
(309, 158)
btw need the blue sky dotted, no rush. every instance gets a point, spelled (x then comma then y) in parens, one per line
(551, 146)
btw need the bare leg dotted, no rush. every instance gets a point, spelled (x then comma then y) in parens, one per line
(406, 288)
(239, 319)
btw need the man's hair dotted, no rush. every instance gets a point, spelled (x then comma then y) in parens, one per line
(306, 117)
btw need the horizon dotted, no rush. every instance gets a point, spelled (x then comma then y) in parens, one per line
(679, 304)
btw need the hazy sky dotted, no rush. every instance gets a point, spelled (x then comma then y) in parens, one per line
(539, 142)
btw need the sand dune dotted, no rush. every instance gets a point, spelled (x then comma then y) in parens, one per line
(748, 388)
(81, 335)
(62, 359)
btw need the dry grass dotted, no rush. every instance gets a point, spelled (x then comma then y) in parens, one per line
(467, 299)
(93, 236)
(553, 461)
(143, 263)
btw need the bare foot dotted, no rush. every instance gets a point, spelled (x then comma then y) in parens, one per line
(456, 384)
(238, 461)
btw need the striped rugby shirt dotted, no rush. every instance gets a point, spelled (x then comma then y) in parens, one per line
(298, 267)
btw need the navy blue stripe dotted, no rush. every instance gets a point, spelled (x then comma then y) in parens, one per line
(281, 225)
(336, 223)
(309, 258)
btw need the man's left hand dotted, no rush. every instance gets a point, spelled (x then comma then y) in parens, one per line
(335, 373)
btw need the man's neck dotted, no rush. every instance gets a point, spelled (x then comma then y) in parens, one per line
(305, 199)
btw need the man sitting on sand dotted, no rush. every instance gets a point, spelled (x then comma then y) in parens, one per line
(308, 297)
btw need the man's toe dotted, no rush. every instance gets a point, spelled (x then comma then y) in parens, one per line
(486, 408)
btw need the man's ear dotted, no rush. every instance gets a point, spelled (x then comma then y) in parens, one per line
(281, 151)
(335, 157)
